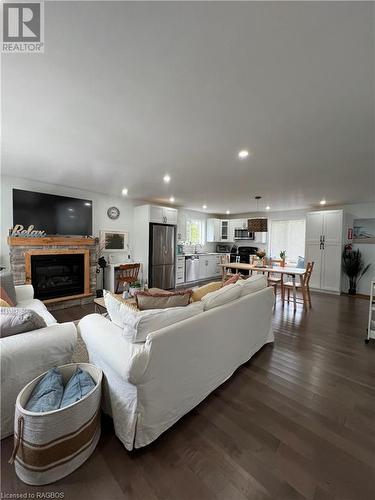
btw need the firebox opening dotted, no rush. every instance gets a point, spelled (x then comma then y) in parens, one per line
(57, 275)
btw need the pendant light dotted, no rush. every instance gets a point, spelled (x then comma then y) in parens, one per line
(259, 225)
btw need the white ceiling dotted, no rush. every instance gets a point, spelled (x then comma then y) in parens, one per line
(126, 92)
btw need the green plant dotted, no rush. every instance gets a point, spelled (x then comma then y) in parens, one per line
(283, 254)
(354, 267)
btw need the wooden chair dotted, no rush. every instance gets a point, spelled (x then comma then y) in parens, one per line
(303, 286)
(273, 278)
(127, 273)
(225, 273)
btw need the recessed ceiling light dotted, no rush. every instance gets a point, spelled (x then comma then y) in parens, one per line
(204, 207)
(227, 212)
(171, 199)
(268, 207)
(243, 154)
(167, 178)
(124, 192)
(323, 202)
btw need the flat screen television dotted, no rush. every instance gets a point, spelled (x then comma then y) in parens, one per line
(56, 215)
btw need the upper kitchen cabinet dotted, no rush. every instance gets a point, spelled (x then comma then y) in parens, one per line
(260, 238)
(227, 230)
(163, 215)
(181, 227)
(213, 230)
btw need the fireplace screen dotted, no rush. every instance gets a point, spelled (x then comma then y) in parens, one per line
(57, 275)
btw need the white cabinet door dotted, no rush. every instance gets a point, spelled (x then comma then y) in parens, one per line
(213, 230)
(170, 215)
(314, 227)
(332, 227)
(224, 230)
(232, 227)
(211, 267)
(156, 214)
(203, 265)
(181, 228)
(260, 237)
(217, 229)
(314, 254)
(331, 268)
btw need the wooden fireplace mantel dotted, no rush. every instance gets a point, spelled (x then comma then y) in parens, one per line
(51, 241)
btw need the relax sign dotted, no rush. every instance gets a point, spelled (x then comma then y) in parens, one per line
(30, 232)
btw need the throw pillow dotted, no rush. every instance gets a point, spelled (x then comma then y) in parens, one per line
(252, 284)
(162, 299)
(14, 320)
(3, 303)
(116, 308)
(200, 292)
(7, 289)
(301, 262)
(233, 279)
(79, 384)
(47, 394)
(137, 325)
(221, 296)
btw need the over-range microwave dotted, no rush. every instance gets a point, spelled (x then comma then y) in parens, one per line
(243, 234)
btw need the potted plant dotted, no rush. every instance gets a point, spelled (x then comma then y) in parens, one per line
(283, 257)
(134, 288)
(354, 267)
(261, 255)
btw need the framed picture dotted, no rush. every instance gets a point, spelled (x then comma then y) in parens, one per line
(114, 241)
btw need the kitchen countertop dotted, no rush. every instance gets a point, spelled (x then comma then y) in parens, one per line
(198, 254)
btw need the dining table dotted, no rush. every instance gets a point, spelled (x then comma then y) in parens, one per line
(293, 272)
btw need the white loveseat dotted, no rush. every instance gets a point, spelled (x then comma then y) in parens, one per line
(149, 386)
(27, 355)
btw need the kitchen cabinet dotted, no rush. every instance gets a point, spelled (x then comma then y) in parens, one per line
(181, 227)
(213, 230)
(325, 238)
(226, 230)
(260, 237)
(180, 270)
(163, 215)
(209, 266)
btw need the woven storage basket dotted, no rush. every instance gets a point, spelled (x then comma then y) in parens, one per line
(51, 445)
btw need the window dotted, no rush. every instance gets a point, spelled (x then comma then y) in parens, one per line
(288, 235)
(195, 231)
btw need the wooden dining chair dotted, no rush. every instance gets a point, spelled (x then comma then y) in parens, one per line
(303, 286)
(225, 273)
(127, 274)
(274, 279)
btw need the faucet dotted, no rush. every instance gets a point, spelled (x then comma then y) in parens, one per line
(195, 247)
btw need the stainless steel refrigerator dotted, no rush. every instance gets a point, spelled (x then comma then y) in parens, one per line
(162, 256)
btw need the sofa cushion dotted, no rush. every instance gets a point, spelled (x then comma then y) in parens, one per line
(48, 392)
(137, 325)
(4, 304)
(7, 289)
(14, 320)
(252, 284)
(162, 299)
(221, 296)
(232, 279)
(38, 306)
(200, 292)
(79, 384)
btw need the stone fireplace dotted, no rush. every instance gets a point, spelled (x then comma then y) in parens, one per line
(62, 270)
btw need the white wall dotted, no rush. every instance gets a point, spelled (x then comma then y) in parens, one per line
(100, 205)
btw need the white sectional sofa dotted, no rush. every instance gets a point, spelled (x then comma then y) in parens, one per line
(149, 386)
(27, 355)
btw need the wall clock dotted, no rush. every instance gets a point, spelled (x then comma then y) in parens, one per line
(113, 213)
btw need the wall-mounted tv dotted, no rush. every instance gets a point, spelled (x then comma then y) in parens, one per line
(53, 214)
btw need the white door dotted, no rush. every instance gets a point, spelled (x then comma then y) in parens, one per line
(170, 215)
(314, 227)
(332, 227)
(314, 254)
(156, 214)
(331, 268)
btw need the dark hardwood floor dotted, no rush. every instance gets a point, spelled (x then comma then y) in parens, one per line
(295, 422)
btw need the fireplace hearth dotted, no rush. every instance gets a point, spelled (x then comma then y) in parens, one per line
(57, 275)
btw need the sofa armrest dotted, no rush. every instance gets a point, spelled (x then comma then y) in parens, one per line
(105, 340)
(24, 292)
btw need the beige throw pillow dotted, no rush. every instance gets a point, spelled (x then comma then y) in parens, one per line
(200, 292)
(162, 299)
